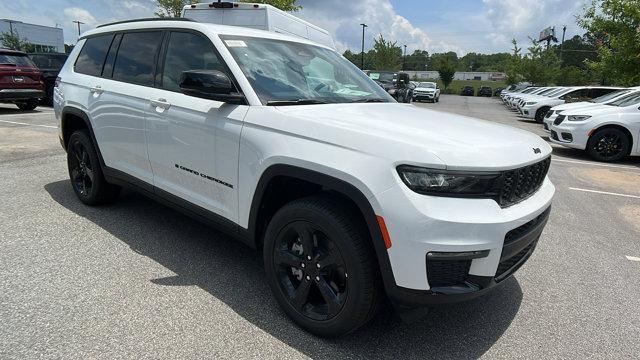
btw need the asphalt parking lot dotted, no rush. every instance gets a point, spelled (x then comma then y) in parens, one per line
(138, 280)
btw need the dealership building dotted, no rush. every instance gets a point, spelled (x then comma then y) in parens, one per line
(45, 38)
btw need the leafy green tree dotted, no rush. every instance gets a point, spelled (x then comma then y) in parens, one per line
(572, 75)
(387, 54)
(286, 5)
(417, 61)
(541, 66)
(618, 21)
(12, 40)
(171, 8)
(514, 65)
(446, 71)
(436, 60)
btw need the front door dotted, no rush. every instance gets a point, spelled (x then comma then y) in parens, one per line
(193, 142)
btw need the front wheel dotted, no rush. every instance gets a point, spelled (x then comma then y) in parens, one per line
(320, 266)
(608, 144)
(86, 175)
(541, 113)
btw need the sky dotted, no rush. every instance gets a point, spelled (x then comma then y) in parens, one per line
(463, 26)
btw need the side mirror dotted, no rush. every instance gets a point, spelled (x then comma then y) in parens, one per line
(210, 84)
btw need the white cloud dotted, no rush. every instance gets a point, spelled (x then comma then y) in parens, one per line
(75, 13)
(343, 19)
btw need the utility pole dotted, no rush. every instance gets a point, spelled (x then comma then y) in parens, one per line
(78, 22)
(362, 53)
(404, 58)
(564, 30)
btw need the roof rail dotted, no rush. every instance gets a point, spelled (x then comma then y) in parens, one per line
(143, 19)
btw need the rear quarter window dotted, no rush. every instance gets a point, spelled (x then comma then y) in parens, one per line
(92, 55)
(136, 58)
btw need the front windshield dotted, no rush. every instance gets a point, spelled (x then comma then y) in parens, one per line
(610, 96)
(427, 85)
(556, 91)
(383, 77)
(628, 100)
(286, 71)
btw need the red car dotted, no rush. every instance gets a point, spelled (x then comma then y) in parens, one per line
(20, 80)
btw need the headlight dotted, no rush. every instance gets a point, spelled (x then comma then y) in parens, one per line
(531, 102)
(578, 117)
(447, 183)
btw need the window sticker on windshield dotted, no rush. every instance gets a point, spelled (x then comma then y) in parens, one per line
(235, 43)
(374, 76)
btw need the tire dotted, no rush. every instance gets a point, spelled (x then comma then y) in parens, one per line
(85, 173)
(28, 105)
(541, 113)
(339, 283)
(608, 144)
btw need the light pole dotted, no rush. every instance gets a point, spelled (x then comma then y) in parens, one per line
(404, 58)
(362, 53)
(564, 30)
(78, 22)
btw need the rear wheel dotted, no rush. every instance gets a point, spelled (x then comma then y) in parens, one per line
(28, 105)
(86, 175)
(541, 113)
(608, 144)
(320, 266)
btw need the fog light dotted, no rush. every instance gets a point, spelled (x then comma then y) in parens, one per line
(567, 136)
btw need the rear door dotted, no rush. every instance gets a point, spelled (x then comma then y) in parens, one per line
(193, 142)
(119, 101)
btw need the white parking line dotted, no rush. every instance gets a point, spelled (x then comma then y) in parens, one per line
(21, 123)
(633, 258)
(605, 193)
(596, 164)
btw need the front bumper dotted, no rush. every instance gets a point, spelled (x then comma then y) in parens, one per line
(431, 237)
(20, 94)
(572, 134)
(529, 111)
(421, 96)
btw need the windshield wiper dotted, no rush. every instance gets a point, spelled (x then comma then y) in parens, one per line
(9, 64)
(369, 100)
(295, 102)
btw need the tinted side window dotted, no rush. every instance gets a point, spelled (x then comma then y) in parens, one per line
(92, 55)
(187, 51)
(600, 92)
(135, 62)
(111, 57)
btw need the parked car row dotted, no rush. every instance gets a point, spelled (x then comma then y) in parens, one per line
(602, 120)
(25, 79)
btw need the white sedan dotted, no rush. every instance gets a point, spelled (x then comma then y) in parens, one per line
(608, 133)
(535, 109)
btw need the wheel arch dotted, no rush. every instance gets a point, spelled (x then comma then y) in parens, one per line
(72, 119)
(620, 127)
(260, 213)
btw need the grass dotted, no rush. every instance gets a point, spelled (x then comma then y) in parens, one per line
(457, 85)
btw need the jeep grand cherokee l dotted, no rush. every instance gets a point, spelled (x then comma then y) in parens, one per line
(283, 143)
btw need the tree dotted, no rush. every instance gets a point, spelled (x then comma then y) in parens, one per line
(514, 65)
(171, 8)
(387, 54)
(618, 22)
(541, 66)
(446, 71)
(12, 40)
(285, 5)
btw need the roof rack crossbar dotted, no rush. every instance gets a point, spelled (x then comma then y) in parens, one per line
(143, 19)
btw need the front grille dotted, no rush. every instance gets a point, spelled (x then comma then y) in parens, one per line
(521, 230)
(447, 272)
(519, 184)
(559, 120)
(508, 266)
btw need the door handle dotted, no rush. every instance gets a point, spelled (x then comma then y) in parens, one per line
(96, 89)
(161, 103)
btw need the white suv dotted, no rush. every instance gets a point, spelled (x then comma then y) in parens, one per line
(286, 145)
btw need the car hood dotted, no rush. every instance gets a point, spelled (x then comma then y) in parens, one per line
(576, 105)
(595, 110)
(410, 134)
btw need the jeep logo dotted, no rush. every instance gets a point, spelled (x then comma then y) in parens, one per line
(537, 151)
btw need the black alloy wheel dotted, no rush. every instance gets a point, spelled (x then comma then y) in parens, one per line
(310, 270)
(609, 144)
(86, 175)
(80, 169)
(321, 267)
